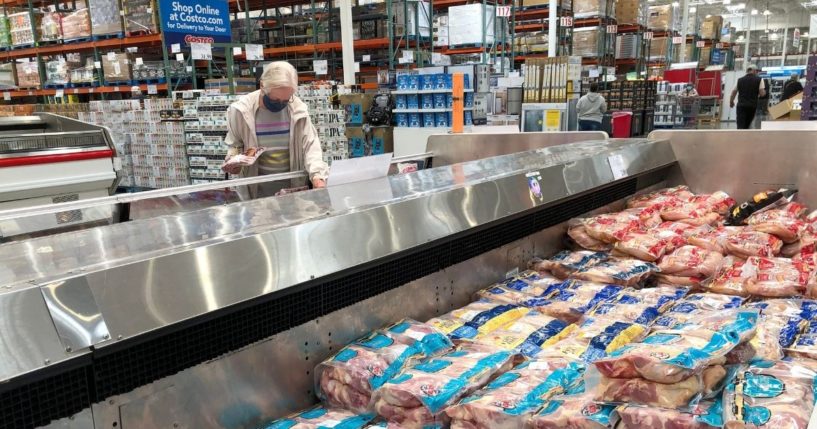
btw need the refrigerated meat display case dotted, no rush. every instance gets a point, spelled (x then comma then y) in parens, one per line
(48, 159)
(217, 317)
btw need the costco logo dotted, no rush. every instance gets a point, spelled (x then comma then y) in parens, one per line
(198, 39)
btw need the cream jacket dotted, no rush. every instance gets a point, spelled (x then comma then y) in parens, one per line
(304, 146)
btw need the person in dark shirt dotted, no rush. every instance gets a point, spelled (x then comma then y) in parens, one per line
(749, 88)
(792, 87)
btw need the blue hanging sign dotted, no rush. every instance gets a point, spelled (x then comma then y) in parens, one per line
(190, 21)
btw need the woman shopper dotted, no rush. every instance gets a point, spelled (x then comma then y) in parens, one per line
(590, 109)
(275, 119)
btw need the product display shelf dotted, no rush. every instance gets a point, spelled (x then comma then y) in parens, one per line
(205, 127)
(329, 120)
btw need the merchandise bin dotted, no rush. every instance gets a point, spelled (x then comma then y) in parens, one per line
(621, 122)
(221, 314)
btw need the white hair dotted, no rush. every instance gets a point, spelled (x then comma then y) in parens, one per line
(279, 74)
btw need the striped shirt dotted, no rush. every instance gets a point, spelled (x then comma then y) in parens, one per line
(272, 131)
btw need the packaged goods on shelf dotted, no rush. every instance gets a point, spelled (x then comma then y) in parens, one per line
(106, 18)
(28, 74)
(77, 24)
(590, 8)
(140, 17)
(663, 18)
(440, 25)
(659, 48)
(240, 85)
(50, 28)
(7, 76)
(711, 27)
(116, 67)
(411, 18)
(586, 42)
(465, 24)
(22, 28)
(148, 70)
(564, 4)
(84, 72)
(57, 72)
(704, 56)
(628, 46)
(5, 32)
(631, 12)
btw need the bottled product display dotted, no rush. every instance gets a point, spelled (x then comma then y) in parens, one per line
(654, 319)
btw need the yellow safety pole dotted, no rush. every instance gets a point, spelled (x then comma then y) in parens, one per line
(457, 117)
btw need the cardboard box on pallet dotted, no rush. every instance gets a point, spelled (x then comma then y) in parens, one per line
(116, 67)
(140, 16)
(663, 18)
(465, 24)
(586, 42)
(7, 76)
(77, 24)
(356, 106)
(591, 8)
(632, 12)
(240, 85)
(711, 27)
(28, 74)
(106, 17)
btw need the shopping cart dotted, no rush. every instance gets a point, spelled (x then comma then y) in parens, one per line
(690, 106)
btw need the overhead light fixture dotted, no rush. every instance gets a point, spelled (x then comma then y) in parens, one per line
(753, 12)
(675, 4)
(709, 16)
(804, 34)
(774, 36)
(727, 2)
(693, 9)
(767, 12)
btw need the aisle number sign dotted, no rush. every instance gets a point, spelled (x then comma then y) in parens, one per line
(648, 35)
(612, 29)
(700, 44)
(503, 11)
(795, 41)
(566, 21)
(677, 40)
(193, 21)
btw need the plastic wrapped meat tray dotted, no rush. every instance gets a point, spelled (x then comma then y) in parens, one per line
(520, 288)
(784, 223)
(477, 318)
(690, 261)
(708, 415)
(418, 396)
(678, 193)
(594, 337)
(527, 335)
(624, 272)
(566, 262)
(322, 417)
(694, 307)
(348, 379)
(511, 399)
(576, 411)
(576, 299)
(748, 243)
(675, 355)
(649, 245)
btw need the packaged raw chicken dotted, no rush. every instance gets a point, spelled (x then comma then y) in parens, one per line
(683, 229)
(691, 261)
(775, 277)
(707, 415)
(648, 245)
(566, 262)
(698, 209)
(575, 300)
(624, 272)
(431, 341)
(670, 356)
(682, 394)
(348, 378)
(748, 243)
(321, 417)
(577, 231)
(479, 317)
(770, 395)
(694, 307)
(526, 336)
(640, 313)
(594, 338)
(775, 332)
(417, 397)
(609, 228)
(661, 297)
(524, 286)
(730, 278)
(659, 197)
(510, 400)
(785, 222)
(577, 410)
(713, 239)
(718, 202)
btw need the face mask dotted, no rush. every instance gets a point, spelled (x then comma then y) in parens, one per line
(274, 106)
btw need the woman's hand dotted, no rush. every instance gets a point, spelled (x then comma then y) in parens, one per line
(318, 183)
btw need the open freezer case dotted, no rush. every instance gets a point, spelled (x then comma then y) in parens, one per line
(218, 317)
